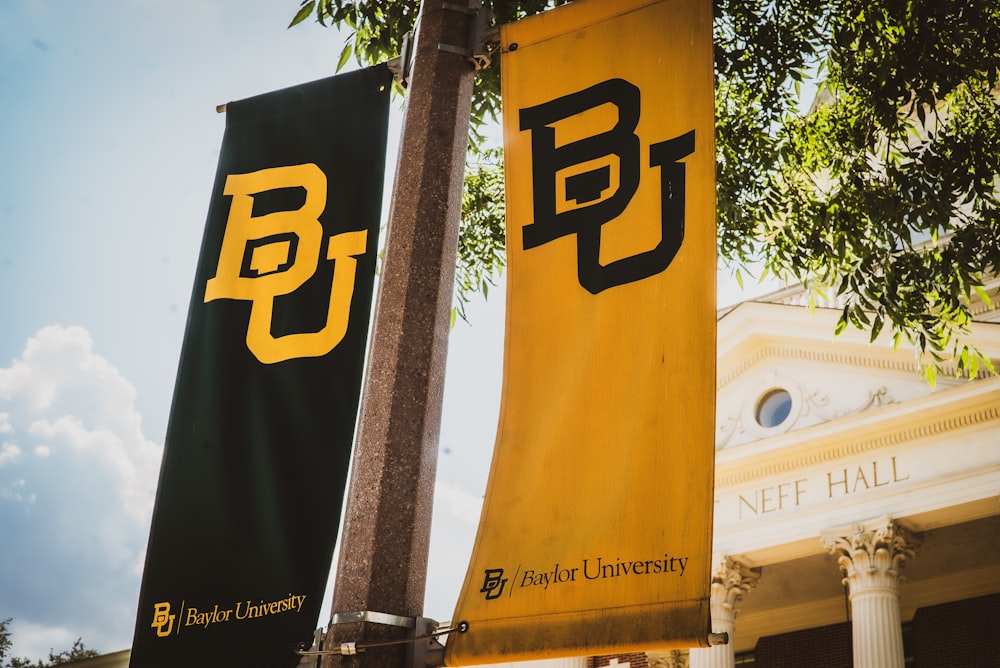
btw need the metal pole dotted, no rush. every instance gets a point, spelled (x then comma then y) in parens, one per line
(383, 552)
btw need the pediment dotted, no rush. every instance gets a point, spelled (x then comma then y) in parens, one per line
(781, 369)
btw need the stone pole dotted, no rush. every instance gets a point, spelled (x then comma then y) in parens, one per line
(383, 548)
(731, 580)
(871, 555)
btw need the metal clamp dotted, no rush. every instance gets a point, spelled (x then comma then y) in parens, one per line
(424, 648)
(481, 38)
(452, 7)
(427, 650)
(447, 48)
(373, 617)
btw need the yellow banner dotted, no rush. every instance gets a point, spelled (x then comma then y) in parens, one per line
(596, 531)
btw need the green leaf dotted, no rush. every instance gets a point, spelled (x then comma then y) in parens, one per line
(988, 363)
(304, 11)
(930, 375)
(876, 328)
(344, 56)
(973, 367)
(983, 295)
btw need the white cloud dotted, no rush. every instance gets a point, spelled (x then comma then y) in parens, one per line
(36, 640)
(9, 452)
(5, 426)
(133, 463)
(80, 508)
(13, 490)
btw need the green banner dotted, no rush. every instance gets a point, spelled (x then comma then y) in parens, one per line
(259, 439)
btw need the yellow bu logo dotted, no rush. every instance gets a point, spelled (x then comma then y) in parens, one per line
(264, 257)
(163, 621)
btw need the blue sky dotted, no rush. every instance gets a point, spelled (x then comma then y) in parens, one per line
(109, 139)
(108, 144)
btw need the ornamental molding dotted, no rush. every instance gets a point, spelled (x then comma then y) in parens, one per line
(795, 352)
(731, 581)
(871, 554)
(804, 403)
(675, 658)
(966, 407)
(753, 331)
(817, 404)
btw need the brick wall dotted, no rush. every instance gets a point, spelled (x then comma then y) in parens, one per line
(634, 660)
(826, 646)
(958, 635)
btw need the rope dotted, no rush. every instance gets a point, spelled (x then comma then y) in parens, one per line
(352, 648)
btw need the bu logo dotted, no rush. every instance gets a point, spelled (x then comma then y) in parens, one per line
(163, 621)
(569, 183)
(263, 257)
(493, 583)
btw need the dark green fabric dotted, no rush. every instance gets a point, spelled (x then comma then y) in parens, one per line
(256, 455)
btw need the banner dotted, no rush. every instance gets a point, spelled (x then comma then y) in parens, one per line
(260, 432)
(596, 531)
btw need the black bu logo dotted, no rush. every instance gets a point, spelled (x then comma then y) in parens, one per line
(493, 583)
(585, 191)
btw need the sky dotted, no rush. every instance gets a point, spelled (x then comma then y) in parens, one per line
(108, 145)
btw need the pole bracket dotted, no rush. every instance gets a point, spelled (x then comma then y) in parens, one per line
(424, 648)
(482, 36)
(373, 617)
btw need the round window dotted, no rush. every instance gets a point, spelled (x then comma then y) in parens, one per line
(774, 408)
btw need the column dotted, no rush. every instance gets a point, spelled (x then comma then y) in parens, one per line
(567, 662)
(731, 580)
(671, 658)
(871, 555)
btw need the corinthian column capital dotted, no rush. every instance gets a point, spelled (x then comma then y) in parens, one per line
(871, 553)
(731, 579)
(668, 659)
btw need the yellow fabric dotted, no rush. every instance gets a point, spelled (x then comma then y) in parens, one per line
(596, 531)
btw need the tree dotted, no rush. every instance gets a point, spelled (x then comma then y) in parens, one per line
(77, 652)
(5, 642)
(481, 237)
(883, 195)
